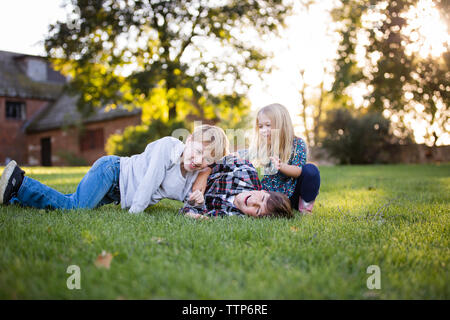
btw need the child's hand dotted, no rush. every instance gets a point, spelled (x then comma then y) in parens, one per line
(196, 198)
(194, 215)
(276, 162)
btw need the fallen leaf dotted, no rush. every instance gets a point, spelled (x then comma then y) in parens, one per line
(294, 229)
(104, 260)
(158, 240)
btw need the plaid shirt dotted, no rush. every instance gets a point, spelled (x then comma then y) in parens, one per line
(229, 177)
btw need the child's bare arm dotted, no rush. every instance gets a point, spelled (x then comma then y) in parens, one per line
(290, 170)
(287, 169)
(202, 178)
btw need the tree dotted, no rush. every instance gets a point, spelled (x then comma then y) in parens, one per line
(164, 56)
(401, 82)
(319, 101)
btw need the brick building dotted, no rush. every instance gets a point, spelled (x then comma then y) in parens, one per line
(39, 123)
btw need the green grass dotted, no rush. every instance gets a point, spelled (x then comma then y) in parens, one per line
(396, 217)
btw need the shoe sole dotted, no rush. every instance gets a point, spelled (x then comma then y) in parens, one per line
(7, 173)
(303, 210)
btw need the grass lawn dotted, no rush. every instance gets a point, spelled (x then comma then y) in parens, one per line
(396, 217)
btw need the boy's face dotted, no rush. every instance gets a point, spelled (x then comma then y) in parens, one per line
(252, 203)
(193, 157)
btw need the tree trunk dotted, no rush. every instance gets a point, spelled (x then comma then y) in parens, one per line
(317, 118)
(303, 113)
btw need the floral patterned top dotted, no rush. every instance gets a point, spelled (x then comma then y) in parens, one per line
(281, 183)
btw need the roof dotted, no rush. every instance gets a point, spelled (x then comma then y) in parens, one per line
(62, 108)
(64, 112)
(14, 82)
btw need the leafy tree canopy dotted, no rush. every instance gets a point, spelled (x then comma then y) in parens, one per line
(400, 80)
(167, 57)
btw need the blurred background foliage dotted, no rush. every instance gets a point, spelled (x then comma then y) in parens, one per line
(356, 137)
(182, 61)
(400, 79)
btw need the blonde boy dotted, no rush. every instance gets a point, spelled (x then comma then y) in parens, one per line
(166, 169)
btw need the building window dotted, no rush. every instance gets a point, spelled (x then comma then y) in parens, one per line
(15, 110)
(92, 139)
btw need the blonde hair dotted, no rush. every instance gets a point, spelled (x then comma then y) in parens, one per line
(214, 140)
(282, 136)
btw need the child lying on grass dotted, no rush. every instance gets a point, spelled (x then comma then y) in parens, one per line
(233, 188)
(166, 169)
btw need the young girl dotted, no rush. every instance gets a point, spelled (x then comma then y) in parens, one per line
(282, 156)
(166, 169)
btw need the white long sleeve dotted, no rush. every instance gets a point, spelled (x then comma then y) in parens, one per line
(155, 174)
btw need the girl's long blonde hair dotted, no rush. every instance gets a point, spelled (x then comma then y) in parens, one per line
(282, 136)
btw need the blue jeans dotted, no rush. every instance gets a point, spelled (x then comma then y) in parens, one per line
(98, 187)
(308, 185)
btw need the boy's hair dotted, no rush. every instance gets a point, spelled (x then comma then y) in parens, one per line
(214, 140)
(278, 206)
(281, 138)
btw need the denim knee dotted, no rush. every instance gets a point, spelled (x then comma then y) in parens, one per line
(107, 162)
(99, 162)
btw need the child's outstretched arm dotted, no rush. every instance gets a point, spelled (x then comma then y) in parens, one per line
(200, 182)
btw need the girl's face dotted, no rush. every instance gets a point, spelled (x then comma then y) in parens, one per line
(264, 126)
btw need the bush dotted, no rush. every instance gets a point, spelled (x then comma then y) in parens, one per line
(135, 138)
(357, 138)
(72, 159)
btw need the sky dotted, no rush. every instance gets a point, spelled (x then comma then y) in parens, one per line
(307, 44)
(24, 24)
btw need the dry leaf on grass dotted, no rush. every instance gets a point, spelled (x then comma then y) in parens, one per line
(104, 260)
(158, 240)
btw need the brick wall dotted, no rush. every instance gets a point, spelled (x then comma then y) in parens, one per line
(68, 141)
(12, 137)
